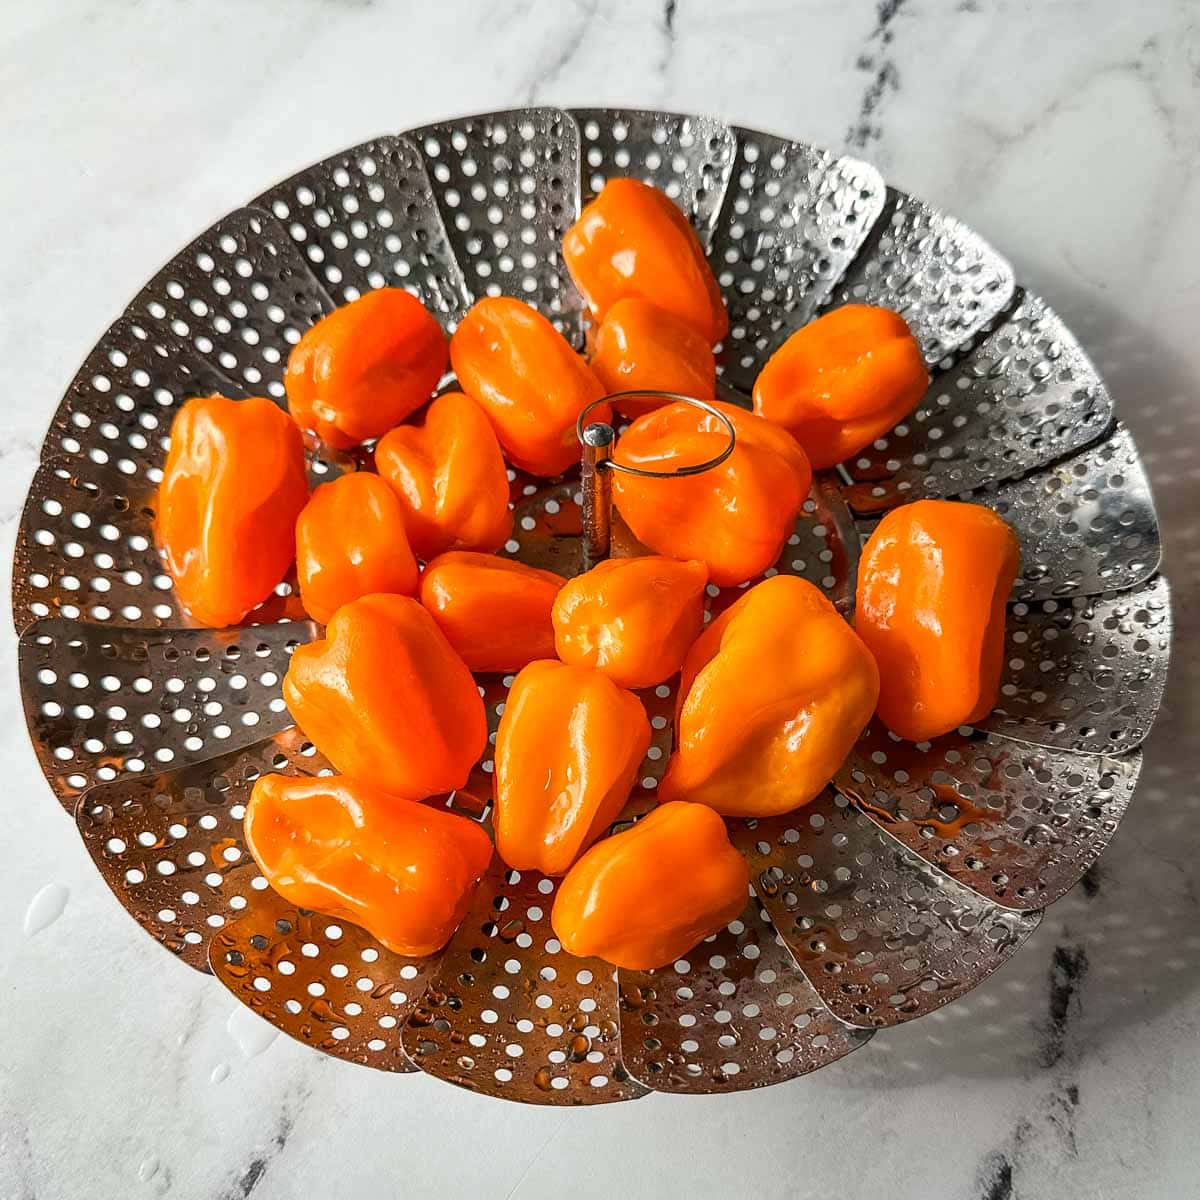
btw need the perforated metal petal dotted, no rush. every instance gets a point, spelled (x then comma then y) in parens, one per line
(734, 1014)
(945, 280)
(793, 219)
(118, 409)
(881, 936)
(240, 296)
(1025, 395)
(511, 1014)
(689, 158)
(170, 844)
(328, 985)
(1019, 824)
(1086, 674)
(507, 185)
(85, 551)
(1086, 525)
(366, 218)
(105, 703)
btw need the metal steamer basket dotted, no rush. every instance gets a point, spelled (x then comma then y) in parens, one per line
(909, 881)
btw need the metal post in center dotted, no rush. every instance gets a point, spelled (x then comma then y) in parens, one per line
(596, 479)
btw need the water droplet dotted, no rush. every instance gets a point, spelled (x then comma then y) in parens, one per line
(219, 1073)
(45, 908)
(148, 1169)
(252, 1034)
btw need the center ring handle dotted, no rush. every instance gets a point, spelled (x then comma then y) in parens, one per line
(678, 397)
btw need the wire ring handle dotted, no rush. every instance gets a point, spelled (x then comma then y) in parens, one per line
(678, 397)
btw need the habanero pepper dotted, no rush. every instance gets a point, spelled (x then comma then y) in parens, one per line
(734, 518)
(450, 478)
(529, 381)
(403, 871)
(632, 618)
(773, 695)
(642, 346)
(933, 585)
(495, 612)
(842, 381)
(387, 700)
(643, 898)
(633, 240)
(568, 749)
(365, 367)
(350, 542)
(233, 485)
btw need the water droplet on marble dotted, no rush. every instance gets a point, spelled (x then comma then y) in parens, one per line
(252, 1034)
(45, 908)
(148, 1169)
(220, 1073)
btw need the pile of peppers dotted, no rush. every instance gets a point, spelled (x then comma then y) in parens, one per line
(398, 561)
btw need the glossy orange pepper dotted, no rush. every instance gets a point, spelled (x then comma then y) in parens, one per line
(233, 484)
(842, 381)
(775, 693)
(531, 384)
(736, 517)
(350, 542)
(632, 618)
(405, 872)
(495, 612)
(632, 240)
(365, 367)
(933, 583)
(450, 477)
(568, 749)
(640, 345)
(385, 698)
(643, 898)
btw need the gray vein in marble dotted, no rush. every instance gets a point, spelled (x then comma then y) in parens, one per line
(885, 77)
(996, 1178)
(550, 74)
(253, 1172)
(1068, 969)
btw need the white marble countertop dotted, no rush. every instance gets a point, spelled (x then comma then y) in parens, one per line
(1065, 132)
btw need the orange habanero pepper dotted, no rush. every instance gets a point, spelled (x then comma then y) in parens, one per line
(495, 612)
(233, 484)
(736, 517)
(775, 692)
(842, 381)
(405, 872)
(568, 749)
(385, 698)
(530, 382)
(350, 542)
(642, 346)
(632, 618)
(933, 583)
(643, 898)
(450, 477)
(365, 367)
(633, 240)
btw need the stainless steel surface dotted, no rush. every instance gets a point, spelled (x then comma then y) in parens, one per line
(889, 897)
(1023, 396)
(881, 936)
